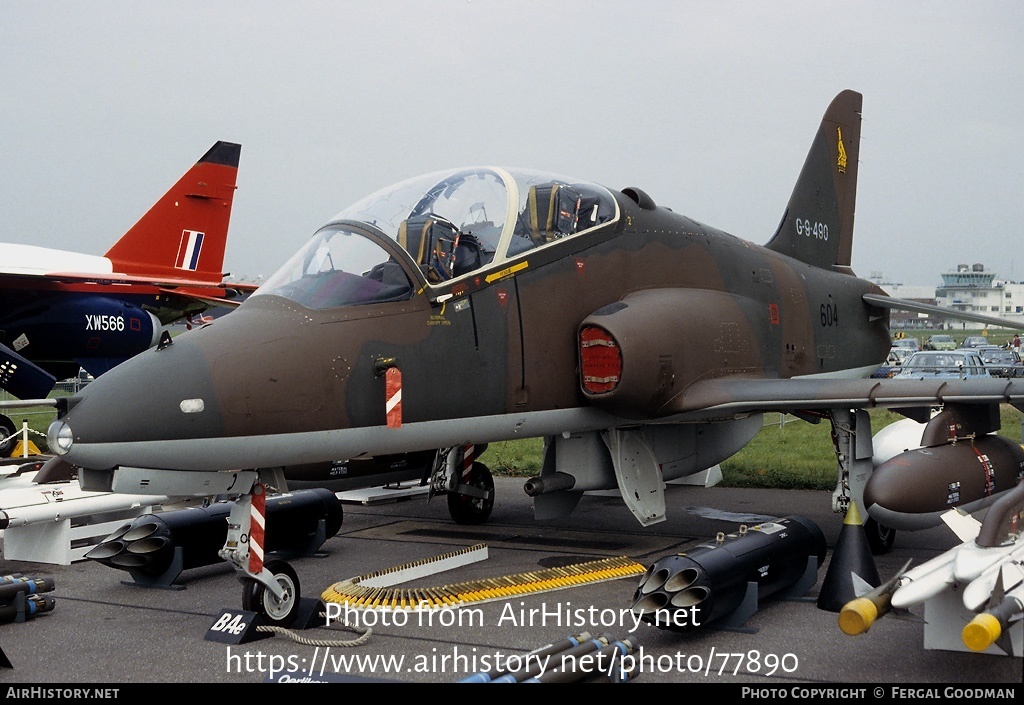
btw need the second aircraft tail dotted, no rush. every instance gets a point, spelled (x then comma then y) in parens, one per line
(183, 236)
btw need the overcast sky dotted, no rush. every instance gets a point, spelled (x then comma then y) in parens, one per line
(710, 107)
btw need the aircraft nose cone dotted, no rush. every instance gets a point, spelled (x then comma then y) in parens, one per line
(161, 394)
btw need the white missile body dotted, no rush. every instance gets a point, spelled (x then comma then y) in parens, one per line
(978, 594)
(36, 518)
(961, 564)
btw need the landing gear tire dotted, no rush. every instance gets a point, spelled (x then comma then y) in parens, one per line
(466, 509)
(7, 428)
(256, 597)
(880, 538)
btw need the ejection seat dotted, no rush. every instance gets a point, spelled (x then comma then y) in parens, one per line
(431, 240)
(553, 211)
(439, 247)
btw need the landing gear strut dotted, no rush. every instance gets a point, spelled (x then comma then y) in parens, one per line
(269, 589)
(467, 482)
(851, 438)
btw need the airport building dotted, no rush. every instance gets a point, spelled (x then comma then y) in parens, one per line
(968, 288)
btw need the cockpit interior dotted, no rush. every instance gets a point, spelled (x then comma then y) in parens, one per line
(445, 226)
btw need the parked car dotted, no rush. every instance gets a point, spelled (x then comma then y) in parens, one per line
(938, 364)
(892, 363)
(1002, 362)
(911, 343)
(974, 341)
(940, 341)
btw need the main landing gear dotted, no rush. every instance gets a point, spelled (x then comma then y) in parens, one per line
(851, 439)
(466, 481)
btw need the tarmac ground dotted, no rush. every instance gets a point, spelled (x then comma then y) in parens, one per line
(106, 628)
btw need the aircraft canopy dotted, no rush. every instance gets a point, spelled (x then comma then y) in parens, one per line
(450, 223)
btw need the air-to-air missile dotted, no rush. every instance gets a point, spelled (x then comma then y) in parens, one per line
(997, 542)
(986, 572)
(1005, 575)
(727, 577)
(954, 460)
(992, 625)
(155, 548)
(857, 615)
(30, 502)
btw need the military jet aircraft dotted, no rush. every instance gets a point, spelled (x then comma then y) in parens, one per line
(483, 304)
(61, 311)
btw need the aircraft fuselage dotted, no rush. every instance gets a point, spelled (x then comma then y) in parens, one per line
(498, 359)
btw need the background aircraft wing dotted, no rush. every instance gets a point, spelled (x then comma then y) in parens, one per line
(240, 293)
(23, 378)
(141, 279)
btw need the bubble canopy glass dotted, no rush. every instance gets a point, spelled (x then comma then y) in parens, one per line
(445, 225)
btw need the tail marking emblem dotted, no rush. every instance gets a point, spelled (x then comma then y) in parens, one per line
(189, 249)
(841, 156)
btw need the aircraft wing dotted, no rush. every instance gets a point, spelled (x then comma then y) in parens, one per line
(21, 377)
(889, 302)
(120, 278)
(201, 297)
(724, 397)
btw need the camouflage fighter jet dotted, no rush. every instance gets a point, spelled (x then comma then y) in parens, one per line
(477, 305)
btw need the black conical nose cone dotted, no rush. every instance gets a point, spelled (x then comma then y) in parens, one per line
(851, 556)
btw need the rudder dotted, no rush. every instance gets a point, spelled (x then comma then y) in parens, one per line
(817, 227)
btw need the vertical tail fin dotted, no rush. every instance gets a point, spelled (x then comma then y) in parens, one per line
(184, 234)
(817, 227)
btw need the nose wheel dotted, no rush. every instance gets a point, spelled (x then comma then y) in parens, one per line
(258, 598)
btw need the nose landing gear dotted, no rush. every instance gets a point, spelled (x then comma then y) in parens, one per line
(277, 610)
(270, 589)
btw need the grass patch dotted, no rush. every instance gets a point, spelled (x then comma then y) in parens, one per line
(520, 458)
(792, 455)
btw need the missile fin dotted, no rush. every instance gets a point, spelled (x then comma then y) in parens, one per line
(962, 524)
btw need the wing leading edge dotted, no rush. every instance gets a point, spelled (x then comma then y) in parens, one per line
(895, 304)
(718, 398)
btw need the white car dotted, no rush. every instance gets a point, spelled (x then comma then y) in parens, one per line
(953, 364)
